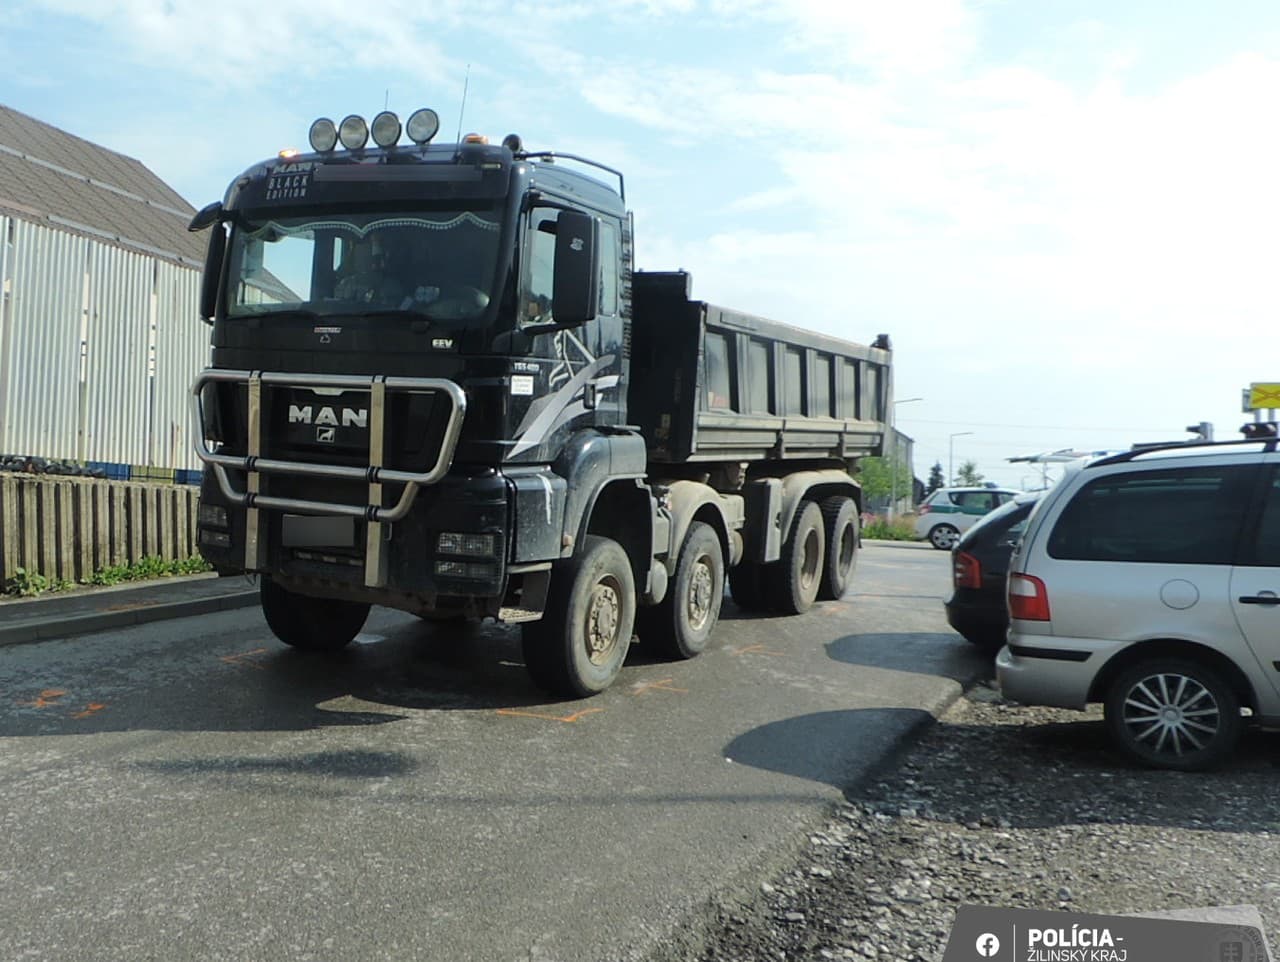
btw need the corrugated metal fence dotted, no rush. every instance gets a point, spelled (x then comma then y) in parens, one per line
(72, 527)
(98, 346)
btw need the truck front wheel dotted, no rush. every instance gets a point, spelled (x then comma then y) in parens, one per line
(680, 625)
(578, 647)
(310, 624)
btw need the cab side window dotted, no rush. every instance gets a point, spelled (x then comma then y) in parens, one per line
(608, 268)
(539, 270)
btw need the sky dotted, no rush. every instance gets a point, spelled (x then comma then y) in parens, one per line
(1063, 214)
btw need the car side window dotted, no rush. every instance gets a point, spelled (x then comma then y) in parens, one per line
(1170, 516)
(1265, 548)
(976, 502)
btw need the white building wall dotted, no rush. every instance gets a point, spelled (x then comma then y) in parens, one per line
(98, 345)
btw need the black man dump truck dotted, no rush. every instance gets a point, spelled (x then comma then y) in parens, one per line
(438, 384)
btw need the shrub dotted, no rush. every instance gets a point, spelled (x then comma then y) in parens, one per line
(899, 529)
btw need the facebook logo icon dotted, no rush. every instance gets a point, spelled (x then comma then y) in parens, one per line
(988, 945)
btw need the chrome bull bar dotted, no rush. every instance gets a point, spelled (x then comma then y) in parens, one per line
(375, 475)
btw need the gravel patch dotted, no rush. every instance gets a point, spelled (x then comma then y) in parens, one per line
(1010, 806)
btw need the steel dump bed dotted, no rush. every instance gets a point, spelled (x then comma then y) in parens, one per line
(711, 384)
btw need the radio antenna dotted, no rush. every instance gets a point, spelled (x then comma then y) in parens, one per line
(466, 80)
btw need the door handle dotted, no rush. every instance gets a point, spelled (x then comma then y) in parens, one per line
(1267, 598)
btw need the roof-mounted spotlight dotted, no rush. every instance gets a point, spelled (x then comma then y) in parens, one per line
(386, 129)
(323, 136)
(513, 143)
(353, 132)
(422, 126)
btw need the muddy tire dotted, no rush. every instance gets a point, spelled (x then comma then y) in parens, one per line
(310, 624)
(578, 647)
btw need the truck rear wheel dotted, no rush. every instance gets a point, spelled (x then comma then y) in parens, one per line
(310, 624)
(840, 524)
(578, 647)
(794, 582)
(680, 625)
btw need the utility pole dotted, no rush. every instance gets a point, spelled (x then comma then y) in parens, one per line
(893, 457)
(951, 455)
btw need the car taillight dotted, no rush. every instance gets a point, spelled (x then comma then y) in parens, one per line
(923, 509)
(1028, 598)
(966, 570)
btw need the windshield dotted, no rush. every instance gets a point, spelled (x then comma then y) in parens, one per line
(440, 264)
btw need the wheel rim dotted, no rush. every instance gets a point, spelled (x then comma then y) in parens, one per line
(1171, 714)
(603, 617)
(701, 585)
(945, 537)
(809, 560)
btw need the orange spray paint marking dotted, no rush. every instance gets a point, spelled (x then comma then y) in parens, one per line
(756, 650)
(547, 716)
(245, 659)
(663, 685)
(91, 709)
(45, 698)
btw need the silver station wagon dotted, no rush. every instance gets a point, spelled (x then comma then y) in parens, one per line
(1150, 582)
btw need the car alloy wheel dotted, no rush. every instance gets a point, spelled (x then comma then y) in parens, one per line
(1174, 714)
(943, 536)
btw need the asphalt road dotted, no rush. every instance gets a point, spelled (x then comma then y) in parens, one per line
(193, 790)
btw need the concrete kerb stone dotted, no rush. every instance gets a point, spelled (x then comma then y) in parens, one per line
(51, 627)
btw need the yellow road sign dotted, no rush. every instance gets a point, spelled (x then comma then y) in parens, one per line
(1264, 395)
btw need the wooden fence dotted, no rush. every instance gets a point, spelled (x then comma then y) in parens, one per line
(68, 528)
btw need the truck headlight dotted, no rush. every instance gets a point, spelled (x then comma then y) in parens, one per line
(212, 515)
(469, 545)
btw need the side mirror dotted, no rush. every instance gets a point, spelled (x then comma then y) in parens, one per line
(208, 215)
(576, 288)
(212, 273)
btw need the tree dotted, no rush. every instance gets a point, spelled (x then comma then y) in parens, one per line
(875, 476)
(936, 478)
(968, 475)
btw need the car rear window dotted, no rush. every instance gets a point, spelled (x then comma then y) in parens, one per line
(1176, 516)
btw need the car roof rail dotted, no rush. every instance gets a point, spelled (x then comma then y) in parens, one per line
(1268, 447)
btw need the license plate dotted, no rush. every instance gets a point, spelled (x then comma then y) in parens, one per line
(305, 531)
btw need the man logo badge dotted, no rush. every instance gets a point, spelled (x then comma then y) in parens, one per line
(326, 435)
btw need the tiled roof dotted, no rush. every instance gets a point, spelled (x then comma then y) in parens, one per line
(49, 175)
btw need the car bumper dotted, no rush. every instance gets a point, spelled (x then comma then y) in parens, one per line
(1048, 670)
(976, 620)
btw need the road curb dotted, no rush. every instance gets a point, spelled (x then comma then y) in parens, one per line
(45, 629)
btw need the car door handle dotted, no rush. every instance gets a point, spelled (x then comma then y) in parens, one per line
(1263, 598)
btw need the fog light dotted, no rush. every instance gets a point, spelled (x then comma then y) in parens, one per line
(470, 570)
(216, 539)
(474, 545)
(386, 129)
(422, 125)
(353, 132)
(323, 136)
(212, 515)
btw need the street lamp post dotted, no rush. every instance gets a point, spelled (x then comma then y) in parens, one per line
(951, 455)
(893, 458)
